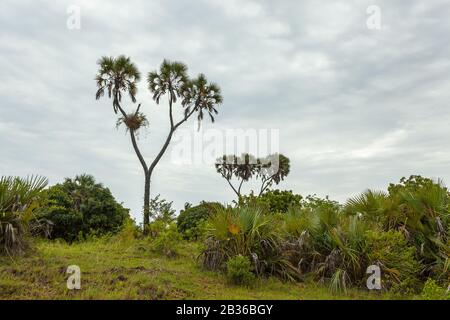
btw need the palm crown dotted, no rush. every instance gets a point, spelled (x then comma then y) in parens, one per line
(202, 96)
(116, 76)
(170, 79)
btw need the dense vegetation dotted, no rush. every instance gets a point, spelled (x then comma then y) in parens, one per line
(80, 207)
(192, 220)
(405, 231)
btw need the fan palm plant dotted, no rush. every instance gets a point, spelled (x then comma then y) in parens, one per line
(250, 232)
(322, 241)
(17, 201)
(419, 209)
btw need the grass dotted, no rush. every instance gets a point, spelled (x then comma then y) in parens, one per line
(130, 270)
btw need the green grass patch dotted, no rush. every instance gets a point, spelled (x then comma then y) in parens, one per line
(131, 270)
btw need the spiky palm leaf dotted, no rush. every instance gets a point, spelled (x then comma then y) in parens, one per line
(170, 79)
(17, 201)
(116, 76)
(201, 96)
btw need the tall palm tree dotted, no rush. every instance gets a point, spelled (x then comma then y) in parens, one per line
(119, 75)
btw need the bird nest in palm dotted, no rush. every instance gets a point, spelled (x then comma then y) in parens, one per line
(133, 121)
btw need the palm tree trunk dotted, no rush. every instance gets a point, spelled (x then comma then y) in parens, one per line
(147, 182)
(146, 204)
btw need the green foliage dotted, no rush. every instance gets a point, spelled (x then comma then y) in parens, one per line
(391, 252)
(276, 201)
(323, 242)
(239, 270)
(191, 221)
(161, 210)
(162, 215)
(129, 231)
(112, 270)
(432, 291)
(167, 242)
(18, 200)
(117, 76)
(250, 232)
(420, 209)
(314, 202)
(79, 207)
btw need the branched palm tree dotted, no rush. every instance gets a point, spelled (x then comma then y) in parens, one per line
(119, 75)
(272, 169)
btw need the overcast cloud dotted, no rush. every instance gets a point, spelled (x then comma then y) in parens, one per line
(356, 108)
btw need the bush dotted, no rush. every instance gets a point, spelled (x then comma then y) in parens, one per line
(129, 231)
(161, 210)
(168, 241)
(390, 251)
(250, 232)
(80, 207)
(432, 291)
(192, 220)
(239, 270)
(18, 200)
(321, 241)
(275, 201)
(420, 209)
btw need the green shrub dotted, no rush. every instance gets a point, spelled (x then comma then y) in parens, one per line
(432, 291)
(161, 210)
(191, 221)
(129, 231)
(274, 201)
(390, 251)
(239, 270)
(323, 242)
(167, 241)
(420, 209)
(250, 232)
(80, 207)
(18, 200)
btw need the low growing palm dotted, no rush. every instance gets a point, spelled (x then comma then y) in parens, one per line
(18, 198)
(250, 232)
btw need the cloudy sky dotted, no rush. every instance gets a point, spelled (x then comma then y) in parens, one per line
(355, 107)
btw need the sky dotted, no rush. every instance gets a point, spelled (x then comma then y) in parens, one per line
(357, 98)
